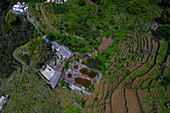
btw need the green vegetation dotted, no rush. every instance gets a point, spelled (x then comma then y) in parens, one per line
(82, 2)
(43, 52)
(162, 32)
(78, 100)
(132, 66)
(91, 88)
(165, 16)
(164, 3)
(38, 49)
(12, 20)
(138, 6)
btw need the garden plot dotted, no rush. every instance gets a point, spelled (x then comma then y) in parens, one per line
(118, 102)
(106, 43)
(132, 103)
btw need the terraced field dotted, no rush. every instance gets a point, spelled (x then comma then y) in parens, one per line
(132, 71)
(125, 92)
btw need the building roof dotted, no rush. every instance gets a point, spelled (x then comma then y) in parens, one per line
(2, 99)
(48, 73)
(16, 6)
(20, 8)
(54, 80)
(51, 63)
(65, 52)
(56, 45)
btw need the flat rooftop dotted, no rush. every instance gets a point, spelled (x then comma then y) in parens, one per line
(48, 73)
(51, 71)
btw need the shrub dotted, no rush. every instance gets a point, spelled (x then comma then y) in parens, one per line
(162, 32)
(137, 6)
(82, 2)
(22, 42)
(91, 88)
(12, 20)
(165, 16)
(164, 3)
(38, 65)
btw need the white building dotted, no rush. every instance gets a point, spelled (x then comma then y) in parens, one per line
(3, 100)
(57, 1)
(20, 8)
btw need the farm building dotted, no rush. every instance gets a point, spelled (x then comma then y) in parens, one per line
(51, 71)
(19, 8)
(62, 51)
(55, 45)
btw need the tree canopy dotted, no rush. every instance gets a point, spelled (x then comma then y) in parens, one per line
(42, 52)
(12, 20)
(165, 16)
(162, 32)
(137, 6)
(32, 46)
(164, 3)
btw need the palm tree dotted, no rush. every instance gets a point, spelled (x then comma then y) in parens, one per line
(42, 52)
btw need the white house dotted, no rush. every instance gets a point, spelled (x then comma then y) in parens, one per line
(3, 100)
(20, 8)
(57, 1)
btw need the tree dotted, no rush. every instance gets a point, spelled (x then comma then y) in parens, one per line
(12, 20)
(31, 45)
(164, 3)
(165, 16)
(82, 2)
(162, 32)
(42, 52)
(137, 6)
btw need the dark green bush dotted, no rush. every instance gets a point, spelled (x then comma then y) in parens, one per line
(38, 65)
(165, 16)
(22, 42)
(137, 6)
(162, 32)
(82, 2)
(164, 3)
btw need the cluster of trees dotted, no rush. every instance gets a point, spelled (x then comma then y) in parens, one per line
(38, 49)
(165, 16)
(138, 6)
(75, 44)
(163, 32)
(11, 37)
(164, 3)
(57, 8)
(95, 63)
(12, 21)
(82, 2)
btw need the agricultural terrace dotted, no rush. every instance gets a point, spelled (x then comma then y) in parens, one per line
(133, 64)
(34, 95)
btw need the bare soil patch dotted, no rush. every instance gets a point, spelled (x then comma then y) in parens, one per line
(118, 102)
(106, 43)
(132, 103)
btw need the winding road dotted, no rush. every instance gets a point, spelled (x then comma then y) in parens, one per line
(16, 58)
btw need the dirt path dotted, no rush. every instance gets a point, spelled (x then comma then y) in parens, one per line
(23, 65)
(16, 58)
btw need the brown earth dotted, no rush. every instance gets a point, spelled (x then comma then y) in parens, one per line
(106, 43)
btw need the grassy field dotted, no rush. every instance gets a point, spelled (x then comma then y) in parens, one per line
(131, 64)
